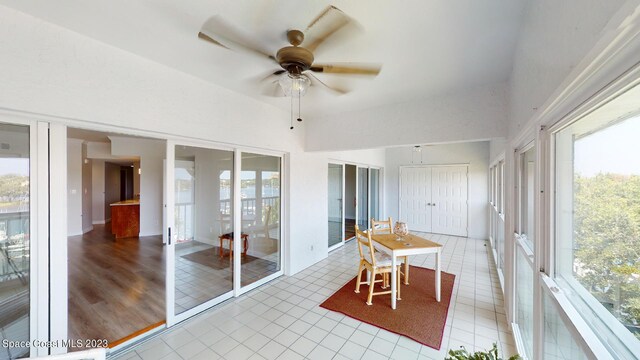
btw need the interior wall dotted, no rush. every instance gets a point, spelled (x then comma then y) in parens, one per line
(74, 187)
(553, 39)
(111, 187)
(87, 192)
(136, 179)
(152, 154)
(475, 154)
(466, 115)
(83, 82)
(97, 191)
(350, 192)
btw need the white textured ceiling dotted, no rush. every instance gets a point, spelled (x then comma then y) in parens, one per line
(426, 47)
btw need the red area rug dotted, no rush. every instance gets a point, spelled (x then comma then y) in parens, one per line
(417, 316)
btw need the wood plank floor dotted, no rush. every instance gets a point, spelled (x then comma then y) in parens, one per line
(116, 287)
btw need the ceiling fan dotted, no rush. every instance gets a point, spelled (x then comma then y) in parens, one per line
(296, 61)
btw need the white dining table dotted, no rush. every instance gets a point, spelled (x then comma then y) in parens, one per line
(407, 245)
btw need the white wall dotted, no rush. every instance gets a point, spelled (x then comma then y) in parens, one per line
(307, 178)
(496, 148)
(81, 82)
(467, 115)
(152, 154)
(74, 187)
(111, 187)
(476, 154)
(87, 193)
(97, 191)
(554, 37)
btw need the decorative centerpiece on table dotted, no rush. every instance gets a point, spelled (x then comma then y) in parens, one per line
(401, 230)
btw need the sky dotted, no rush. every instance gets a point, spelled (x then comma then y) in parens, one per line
(18, 166)
(615, 149)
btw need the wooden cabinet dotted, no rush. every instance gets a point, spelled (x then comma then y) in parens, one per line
(125, 219)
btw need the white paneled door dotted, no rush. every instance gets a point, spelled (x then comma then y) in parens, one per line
(434, 199)
(415, 197)
(449, 200)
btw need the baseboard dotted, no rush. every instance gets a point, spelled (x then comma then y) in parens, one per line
(99, 222)
(86, 230)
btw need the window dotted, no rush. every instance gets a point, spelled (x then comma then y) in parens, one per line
(597, 209)
(524, 300)
(526, 196)
(15, 215)
(501, 187)
(558, 342)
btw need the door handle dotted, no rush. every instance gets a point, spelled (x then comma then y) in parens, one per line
(434, 204)
(428, 204)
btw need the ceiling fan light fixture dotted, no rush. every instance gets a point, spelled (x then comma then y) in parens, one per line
(294, 85)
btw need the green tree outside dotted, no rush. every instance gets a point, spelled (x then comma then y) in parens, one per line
(607, 243)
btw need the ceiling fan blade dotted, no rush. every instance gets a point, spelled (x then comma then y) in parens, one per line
(327, 23)
(273, 89)
(347, 69)
(219, 32)
(316, 81)
(271, 75)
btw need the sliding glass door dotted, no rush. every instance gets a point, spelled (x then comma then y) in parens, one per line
(374, 193)
(211, 194)
(15, 215)
(200, 228)
(362, 202)
(260, 203)
(335, 204)
(353, 198)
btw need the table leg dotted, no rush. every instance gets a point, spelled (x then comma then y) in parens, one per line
(438, 275)
(393, 281)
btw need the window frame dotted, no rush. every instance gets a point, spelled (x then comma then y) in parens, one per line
(555, 280)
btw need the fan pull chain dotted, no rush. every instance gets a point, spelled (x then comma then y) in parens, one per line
(291, 118)
(299, 101)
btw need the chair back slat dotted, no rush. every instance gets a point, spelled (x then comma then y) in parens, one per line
(382, 226)
(365, 246)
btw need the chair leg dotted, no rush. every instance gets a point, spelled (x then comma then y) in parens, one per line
(358, 281)
(398, 282)
(371, 284)
(406, 271)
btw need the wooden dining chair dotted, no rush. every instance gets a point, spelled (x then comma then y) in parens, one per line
(376, 262)
(386, 227)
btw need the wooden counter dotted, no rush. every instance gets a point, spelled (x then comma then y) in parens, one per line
(125, 218)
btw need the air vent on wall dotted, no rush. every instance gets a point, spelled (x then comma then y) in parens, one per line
(5, 146)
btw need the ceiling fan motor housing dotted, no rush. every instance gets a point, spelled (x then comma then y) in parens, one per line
(292, 58)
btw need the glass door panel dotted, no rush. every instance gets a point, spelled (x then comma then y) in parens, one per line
(200, 214)
(362, 204)
(374, 203)
(336, 222)
(260, 194)
(14, 238)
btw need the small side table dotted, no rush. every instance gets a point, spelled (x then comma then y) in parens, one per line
(229, 237)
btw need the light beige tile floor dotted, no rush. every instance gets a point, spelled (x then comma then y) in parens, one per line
(282, 320)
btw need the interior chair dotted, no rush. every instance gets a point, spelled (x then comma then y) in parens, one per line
(386, 227)
(227, 237)
(376, 262)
